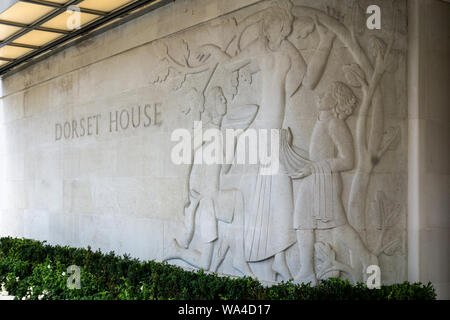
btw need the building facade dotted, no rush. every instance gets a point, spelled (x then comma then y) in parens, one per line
(123, 142)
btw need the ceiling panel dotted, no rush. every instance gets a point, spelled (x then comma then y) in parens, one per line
(24, 12)
(60, 21)
(11, 52)
(37, 37)
(104, 5)
(24, 40)
(6, 31)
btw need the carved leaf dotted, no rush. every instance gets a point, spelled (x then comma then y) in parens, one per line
(162, 73)
(358, 18)
(377, 209)
(186, 51)
(391, 210)
(393, 216)
(354, 75)
(391, 247)
(328, 266)
(285, 4)
(179, 81)
(393, 61)
(324, 253)
(388, 212)
(391, 139)
(377, 46)
(304, 26)
(192, 102)
(245, 76)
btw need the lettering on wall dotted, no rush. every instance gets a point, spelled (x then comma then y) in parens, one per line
(140, 116)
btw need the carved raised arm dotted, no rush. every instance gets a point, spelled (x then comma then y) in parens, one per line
(246, 23)
(210, 52)
(341, 31)
(319, 60)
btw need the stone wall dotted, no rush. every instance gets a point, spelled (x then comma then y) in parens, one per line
(87, 156)
(429, 147)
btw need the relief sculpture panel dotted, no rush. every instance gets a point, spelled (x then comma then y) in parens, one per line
(310, 82)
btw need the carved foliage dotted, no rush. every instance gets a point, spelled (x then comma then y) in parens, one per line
(387, 214)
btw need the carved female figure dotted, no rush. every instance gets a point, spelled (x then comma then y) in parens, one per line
(268, 215)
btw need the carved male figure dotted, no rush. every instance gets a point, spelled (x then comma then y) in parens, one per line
(319, 203)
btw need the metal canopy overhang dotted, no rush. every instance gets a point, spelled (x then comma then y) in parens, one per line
(60, 38)
(5, 4)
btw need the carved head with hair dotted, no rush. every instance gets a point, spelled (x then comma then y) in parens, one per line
(215, 103)
(339, 98)
(277, 23)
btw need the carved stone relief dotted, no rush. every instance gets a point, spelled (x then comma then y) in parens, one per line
(250, 75)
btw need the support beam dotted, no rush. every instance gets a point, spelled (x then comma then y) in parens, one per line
(25, 26)
(20, 45)
(59, 6)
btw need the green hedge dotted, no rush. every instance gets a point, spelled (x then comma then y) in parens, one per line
(33, 270)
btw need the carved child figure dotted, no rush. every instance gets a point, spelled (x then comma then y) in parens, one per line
(319, 203)
(209, 202)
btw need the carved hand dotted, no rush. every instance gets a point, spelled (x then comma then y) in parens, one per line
(324, 32)
(206, 51)
(187, 200)
(335, 13)
(245, 76)
(302, 173)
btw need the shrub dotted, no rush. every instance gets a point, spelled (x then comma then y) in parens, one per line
(31, 269)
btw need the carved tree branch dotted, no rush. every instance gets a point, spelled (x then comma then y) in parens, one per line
(342, 32)
(186, 68)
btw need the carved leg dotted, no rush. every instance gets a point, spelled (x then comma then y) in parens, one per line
(242, 266)
(189, 224)
(239, 262)
(237, 240)
(173, 250)
(305, 242)
(222, 250)
(280, 266)
(197, 258)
